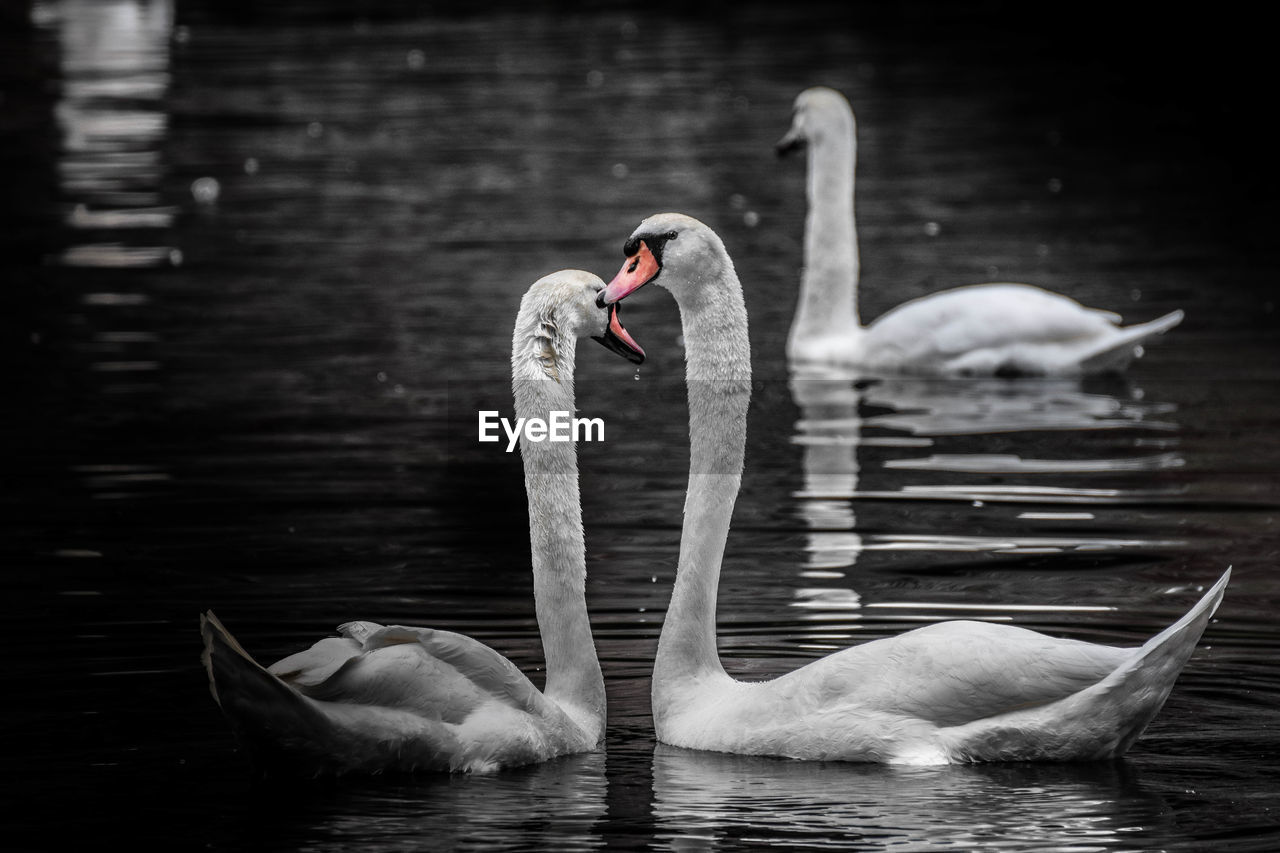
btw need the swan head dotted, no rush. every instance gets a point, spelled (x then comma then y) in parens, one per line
(819, 114)
(563, 305)
(676, 251)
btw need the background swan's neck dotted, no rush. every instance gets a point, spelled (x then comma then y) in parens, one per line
(828, 303)
(719, 379)
(574, 679)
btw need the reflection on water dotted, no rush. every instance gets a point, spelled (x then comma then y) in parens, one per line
(113, 121)
(115, 74)
(832, 428)
(709, 801)
(829, 432)
(478, 813)
(942, 407)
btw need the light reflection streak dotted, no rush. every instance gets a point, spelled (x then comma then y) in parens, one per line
(830, 431)
(114, 60)
(710, 801)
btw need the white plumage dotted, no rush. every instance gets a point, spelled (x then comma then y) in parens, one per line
(981, 329)
(397, 698)
(952, 692)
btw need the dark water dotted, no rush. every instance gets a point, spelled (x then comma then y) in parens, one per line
(260, 271)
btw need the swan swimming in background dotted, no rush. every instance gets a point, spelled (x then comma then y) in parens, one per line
(951, 692)
(980, 329)
(395, 698)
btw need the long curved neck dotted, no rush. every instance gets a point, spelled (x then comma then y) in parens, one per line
(828, 303)
(574, 679)
(718, 373)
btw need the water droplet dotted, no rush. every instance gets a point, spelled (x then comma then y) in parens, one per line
(1135, 294)
(637, 376)
(1055, 185)
(206, 190)
(751, 219)
(315, 129)
(416, 59)
(977, 503)
(251, 166)
(620, 170)
(595, 79)
(932, 229)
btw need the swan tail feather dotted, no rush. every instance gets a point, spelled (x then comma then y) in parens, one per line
(1101, 721)
(267, 716)
(1116, 352)
(1152, 671)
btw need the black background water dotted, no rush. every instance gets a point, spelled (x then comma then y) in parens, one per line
(260, 271)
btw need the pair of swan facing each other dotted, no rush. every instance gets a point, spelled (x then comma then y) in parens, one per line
(981, 329)
(398, 698)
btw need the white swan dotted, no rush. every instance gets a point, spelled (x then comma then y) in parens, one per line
(981, 329)
(951, 692)
(395, 698)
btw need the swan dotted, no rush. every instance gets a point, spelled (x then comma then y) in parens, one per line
(383, 698)
(981, 329)
(952, 692)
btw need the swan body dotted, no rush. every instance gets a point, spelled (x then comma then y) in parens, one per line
(982, 329)
(394, 698)
(956, 691)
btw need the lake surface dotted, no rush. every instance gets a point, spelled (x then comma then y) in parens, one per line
(261, 270)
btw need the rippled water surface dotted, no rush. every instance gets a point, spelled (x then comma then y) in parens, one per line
(261, 269)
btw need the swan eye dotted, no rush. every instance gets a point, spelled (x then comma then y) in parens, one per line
(634, 263)
(671, 235)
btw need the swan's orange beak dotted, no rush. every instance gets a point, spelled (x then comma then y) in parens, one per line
(619, 340)
(637, 271)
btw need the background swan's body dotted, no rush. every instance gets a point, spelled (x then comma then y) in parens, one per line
(395, 698)
(979, 329)
(952, 692)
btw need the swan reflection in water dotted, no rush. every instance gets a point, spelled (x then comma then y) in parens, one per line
(715, 801)
(555, 805)
(837, 410)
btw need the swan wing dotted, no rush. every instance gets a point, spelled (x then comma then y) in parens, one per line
(435, 673)
(397, 698)
(980, 327)
(956, 672)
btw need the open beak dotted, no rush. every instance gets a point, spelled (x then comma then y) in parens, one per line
(618, 339)
(637, 271)
(793, 141)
